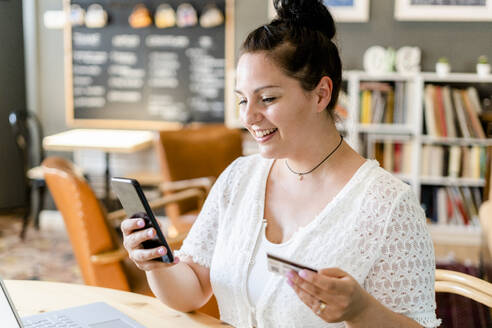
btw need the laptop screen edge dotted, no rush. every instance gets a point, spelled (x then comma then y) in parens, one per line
(11, 304)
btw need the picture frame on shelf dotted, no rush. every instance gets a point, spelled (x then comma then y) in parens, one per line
(343, 11)
(443, 10)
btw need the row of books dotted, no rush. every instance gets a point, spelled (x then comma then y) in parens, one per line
(453, 161)
(437, 161)
(394, 157)
(452, 205)
(451, 112)
(382, 103)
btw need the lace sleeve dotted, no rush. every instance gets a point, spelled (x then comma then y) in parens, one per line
(402, 278)
(200, 243)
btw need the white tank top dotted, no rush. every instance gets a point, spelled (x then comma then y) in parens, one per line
(259, 274)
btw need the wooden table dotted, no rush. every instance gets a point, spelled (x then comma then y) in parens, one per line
(34, 297)
(114, 141)
(108, 141)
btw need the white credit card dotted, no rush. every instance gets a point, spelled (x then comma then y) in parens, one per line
(282, 266)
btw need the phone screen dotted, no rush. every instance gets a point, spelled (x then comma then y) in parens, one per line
(135, 204)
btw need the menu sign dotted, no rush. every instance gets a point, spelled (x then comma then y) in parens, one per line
(121, 72)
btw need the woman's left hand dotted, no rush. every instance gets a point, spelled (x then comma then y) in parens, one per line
(331, 293)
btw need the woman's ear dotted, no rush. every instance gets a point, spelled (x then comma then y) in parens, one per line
(323, 92)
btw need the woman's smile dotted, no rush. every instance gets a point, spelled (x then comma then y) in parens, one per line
(263, 135)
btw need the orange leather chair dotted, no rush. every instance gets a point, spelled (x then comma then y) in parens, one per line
(193, 158)
(98, 251)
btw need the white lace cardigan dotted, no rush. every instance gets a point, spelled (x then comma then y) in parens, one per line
(374, 229)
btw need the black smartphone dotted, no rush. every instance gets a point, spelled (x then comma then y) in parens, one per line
(135, 204)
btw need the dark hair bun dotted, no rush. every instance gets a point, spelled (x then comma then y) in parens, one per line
(311, 14)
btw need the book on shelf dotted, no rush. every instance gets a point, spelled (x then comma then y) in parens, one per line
(429, 112)
(449, 112)
(452, 112)
(471, 205)
(400, 103)
(461, 211)
(397, 158)
(406, 159)
(475, 99)
(454, 164)
(443, 206)
(390, 105)
(439, 112)
(378, 104)
(388, 157)
(461, 116)
(472, 115)
(465, 163)
(474, 162)
(453, 161)
(341, 109)
(381, 102)
(451, 205)
(365, 115)
(436, 163)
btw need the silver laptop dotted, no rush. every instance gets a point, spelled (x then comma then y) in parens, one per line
(94, 315)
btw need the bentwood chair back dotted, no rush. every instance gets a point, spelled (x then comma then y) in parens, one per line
(194, 157)
(465, 285)
(85, 221)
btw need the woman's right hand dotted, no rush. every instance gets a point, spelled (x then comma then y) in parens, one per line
(132, 241)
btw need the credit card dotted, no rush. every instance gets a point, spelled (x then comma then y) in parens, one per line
(281, 266)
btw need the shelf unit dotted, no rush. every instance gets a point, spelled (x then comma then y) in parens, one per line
(363, 137)
(408, 131)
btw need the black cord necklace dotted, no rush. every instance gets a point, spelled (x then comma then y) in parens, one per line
(301, 174)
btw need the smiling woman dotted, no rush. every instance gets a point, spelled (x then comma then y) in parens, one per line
(357, 225)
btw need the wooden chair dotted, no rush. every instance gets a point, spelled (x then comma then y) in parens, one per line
(98, 250)
(28, 134)
(193, 158)
(448, 281)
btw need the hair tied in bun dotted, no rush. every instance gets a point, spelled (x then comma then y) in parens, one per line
(311, 14)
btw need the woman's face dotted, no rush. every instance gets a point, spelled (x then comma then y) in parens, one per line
(274, 107)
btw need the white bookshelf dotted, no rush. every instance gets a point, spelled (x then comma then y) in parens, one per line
(412, 131)
(456, 235)
(456, 78)
(386, 128)
(455, 141)
(450, 181)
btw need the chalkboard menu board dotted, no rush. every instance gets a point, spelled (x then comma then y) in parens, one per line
(150, 77)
